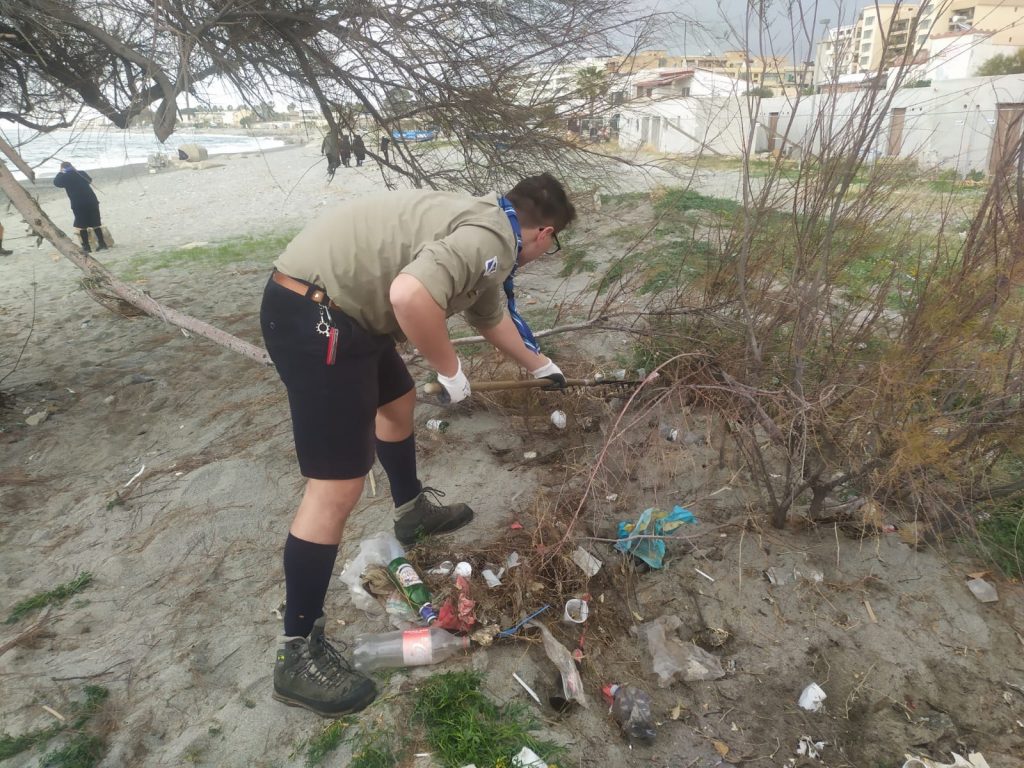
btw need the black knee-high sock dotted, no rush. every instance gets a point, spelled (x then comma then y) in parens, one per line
(307, 574)
(399, 462)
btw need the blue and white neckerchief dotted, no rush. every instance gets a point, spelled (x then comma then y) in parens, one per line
(524, 330)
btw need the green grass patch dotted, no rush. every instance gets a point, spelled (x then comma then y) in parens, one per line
(55, 596)
(375, 749)
(464, 726)
(81, 751)
(575, 262)
(1002, 540)
(256, 248)
(325, 742)
(676, 201)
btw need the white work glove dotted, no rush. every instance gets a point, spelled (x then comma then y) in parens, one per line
(456, 386)
(552, 372)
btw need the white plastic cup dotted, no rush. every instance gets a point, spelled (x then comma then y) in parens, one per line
(463, 569)
(576, 611)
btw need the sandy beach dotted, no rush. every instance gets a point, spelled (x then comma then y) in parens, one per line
(162, 465)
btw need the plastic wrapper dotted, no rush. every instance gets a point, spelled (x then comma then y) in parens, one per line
(377, 550)
(672, 658)
(572, 684)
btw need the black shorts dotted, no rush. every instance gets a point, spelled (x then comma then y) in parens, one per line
(333, 406)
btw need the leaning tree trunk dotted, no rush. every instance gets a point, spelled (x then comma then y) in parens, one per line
(100, 275)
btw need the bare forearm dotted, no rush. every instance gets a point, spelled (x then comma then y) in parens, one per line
(424, 323)
(506, 338)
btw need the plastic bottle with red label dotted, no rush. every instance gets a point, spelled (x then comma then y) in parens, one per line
(410, 648)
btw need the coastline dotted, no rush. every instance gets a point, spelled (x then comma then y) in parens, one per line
(226, 196)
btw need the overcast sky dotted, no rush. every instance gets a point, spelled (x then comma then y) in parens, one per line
(719, 25)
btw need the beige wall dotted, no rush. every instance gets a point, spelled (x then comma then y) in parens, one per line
(1004, 18)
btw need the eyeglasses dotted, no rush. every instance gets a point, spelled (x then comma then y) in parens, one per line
(556, 249)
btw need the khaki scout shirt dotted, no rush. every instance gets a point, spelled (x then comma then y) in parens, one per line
(460, 247)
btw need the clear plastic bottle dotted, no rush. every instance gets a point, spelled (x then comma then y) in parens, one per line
(437, 425)
(411, 648)
(631, 708)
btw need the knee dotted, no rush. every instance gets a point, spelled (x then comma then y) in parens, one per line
(332, 498)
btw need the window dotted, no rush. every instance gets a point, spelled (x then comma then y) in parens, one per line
(922, 39)
(868, 33)
(865, 47)
(864, 60)
(869, 20)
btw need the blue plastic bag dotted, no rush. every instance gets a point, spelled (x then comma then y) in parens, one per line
(652, 522)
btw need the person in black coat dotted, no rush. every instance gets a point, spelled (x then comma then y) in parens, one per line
(84, 203)
(358, 149)
(384, 141)
(345, 149)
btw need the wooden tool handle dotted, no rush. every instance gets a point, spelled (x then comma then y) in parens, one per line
(434, 388)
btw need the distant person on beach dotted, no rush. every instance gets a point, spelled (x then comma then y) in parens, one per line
(3, 251)
(331, 149)
(358, 277)
(384, 141)
(84, 205)
(358, 149)
(345, 148)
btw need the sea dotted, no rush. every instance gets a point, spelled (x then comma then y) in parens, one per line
(101, 146)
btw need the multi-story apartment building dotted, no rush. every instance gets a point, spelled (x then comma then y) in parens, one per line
(1004, 19)
(885, 36)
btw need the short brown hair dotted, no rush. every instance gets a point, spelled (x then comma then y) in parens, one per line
(541, 201)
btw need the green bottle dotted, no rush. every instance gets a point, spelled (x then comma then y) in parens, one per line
(409, 583)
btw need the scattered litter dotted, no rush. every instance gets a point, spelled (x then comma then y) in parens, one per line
(808, 747)
(572, 684)
(527, 758)
(279, 610)
(642, 539)
(631, 708)
(512, 561)
(589, 564)
(530, 455)
(576, 611)
(516, 526)
(781, 576)
(973, 760)
(983, 590)
(136, 476)
(670, 657)
(709, 578)
(812, 698)
(871, 614)
(612, 497)
(457, 613)
(484, 637)
(558, 419)
(463, 569)
(720, 747)
(438, 425)
(678, 711)
(54, 713)
(491, 578)
(526, 688)
(515, 628)
(668, 432)
(37, 418)
(442, 569)
(374, 550)
(408, 648)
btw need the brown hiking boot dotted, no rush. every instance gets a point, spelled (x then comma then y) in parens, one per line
(422, 517)
(312, 673)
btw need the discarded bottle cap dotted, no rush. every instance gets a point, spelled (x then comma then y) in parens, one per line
(463, 569)
(558, 419)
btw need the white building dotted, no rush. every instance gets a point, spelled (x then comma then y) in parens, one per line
(685, 112)
(966, 125)
(957, 55)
